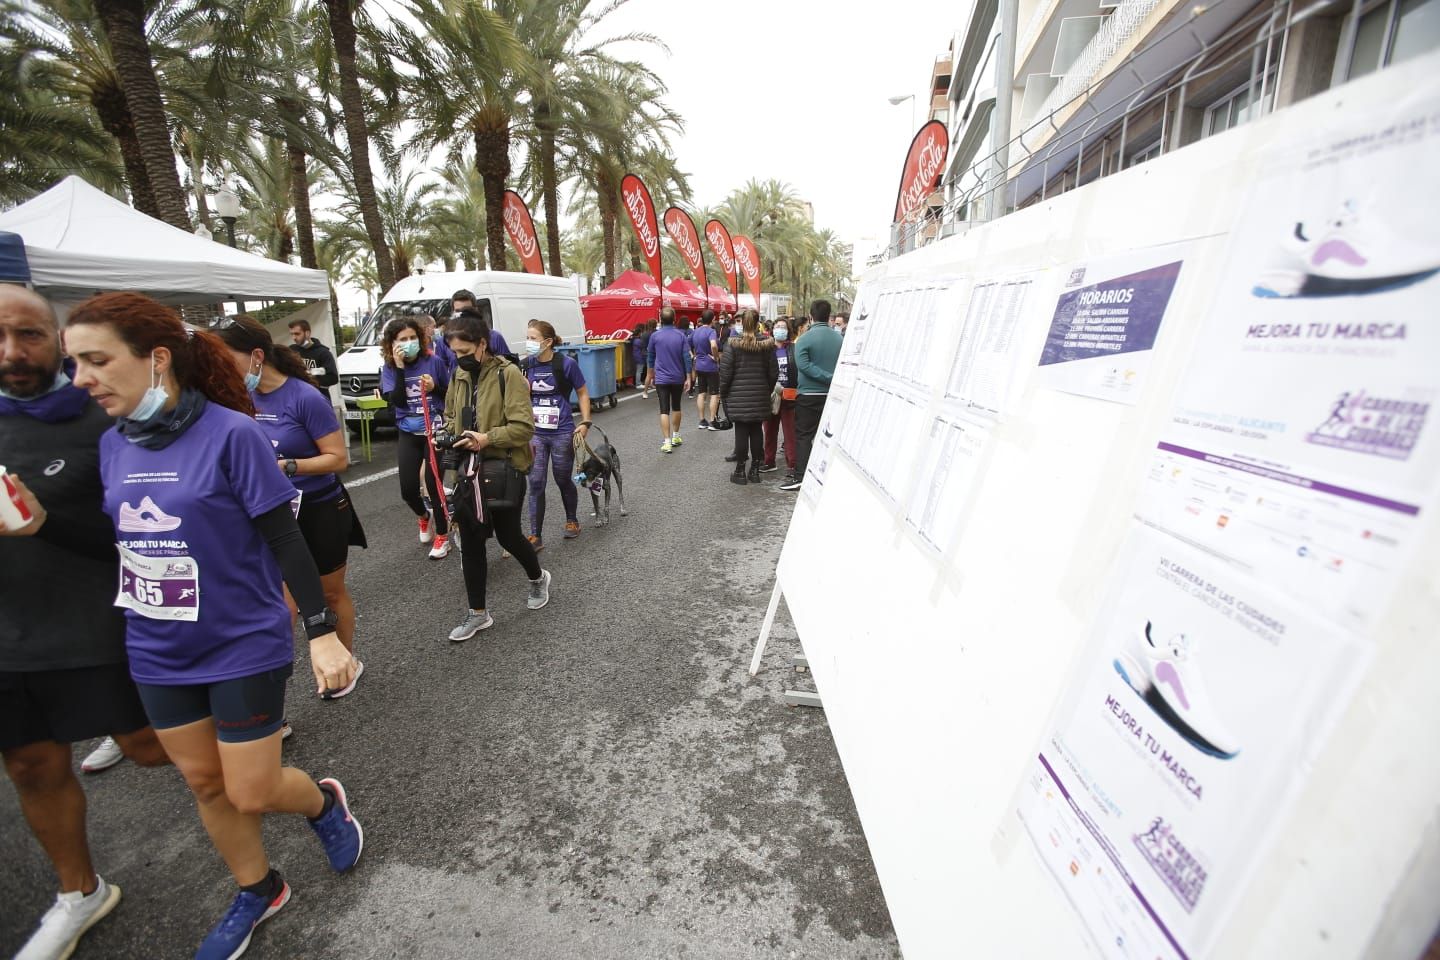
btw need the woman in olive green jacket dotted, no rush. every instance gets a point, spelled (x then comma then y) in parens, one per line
(487, 410)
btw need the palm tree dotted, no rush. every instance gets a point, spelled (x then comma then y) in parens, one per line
(458, 213)
(569, 80)
(405, 213)
(124, 25)
(477, 105)
(341, 16)
(46, 130)
(629, 131)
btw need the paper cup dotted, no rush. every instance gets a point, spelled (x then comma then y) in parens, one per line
(13, 512)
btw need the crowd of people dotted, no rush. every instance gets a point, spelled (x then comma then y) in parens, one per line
(769, 378)
(202, 467)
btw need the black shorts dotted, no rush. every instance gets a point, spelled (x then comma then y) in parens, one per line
(245, 709)
(67, 706)
(326, 526)
(707, 382)
(669, 394)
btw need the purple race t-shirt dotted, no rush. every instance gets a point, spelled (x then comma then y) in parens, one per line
(201, 589)
(411, 417)
(294, 416)
(701, 340)
(552, 411)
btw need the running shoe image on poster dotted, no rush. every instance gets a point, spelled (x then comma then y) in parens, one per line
(1340, 255)
(1167, 677)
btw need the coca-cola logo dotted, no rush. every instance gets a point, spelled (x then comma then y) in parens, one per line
(642, 301)
(639, 210)
(514, 219)
(747, 263)
(720, 243)
(926, 159)
(683, 235)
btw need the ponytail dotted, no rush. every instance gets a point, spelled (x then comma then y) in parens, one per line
(199, 360)
(245, 334)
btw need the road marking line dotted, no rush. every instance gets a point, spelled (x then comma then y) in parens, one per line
(382, 475)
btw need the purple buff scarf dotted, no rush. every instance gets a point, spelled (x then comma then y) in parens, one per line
(63, 402)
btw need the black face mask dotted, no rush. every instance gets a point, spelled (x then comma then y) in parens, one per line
(470, 364)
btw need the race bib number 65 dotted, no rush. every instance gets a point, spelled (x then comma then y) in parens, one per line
(161, 588)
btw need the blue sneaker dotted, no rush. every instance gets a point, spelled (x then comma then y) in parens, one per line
(339, 832)
(229, 938)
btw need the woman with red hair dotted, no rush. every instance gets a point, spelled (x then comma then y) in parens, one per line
(207, 535)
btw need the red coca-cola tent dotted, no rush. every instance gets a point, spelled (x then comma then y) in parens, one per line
(722, 299)
(686, 288)
(632, 299)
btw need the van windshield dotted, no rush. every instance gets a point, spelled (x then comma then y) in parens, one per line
(371, 331)
(374, 327)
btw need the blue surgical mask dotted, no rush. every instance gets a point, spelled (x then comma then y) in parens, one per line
(153, 401)
(782, 334)
(411, 349)
(736, 329)
(533, 347)
(252, 381)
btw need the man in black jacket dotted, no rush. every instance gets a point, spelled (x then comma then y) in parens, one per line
(63, 671)
(318, 358)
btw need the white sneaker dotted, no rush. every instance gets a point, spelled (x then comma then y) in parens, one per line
(64, 924)
(1167, 676)
(539, 591)
(103, 757)
(425, 524)
(440, 549)
(471, 625)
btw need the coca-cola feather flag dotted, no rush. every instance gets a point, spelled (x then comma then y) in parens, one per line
(641, 208)
(521, 229)
(719, 240)
(747, 258)
(924, 168)
(687, 240)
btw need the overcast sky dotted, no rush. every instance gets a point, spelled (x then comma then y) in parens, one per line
(805, 85)
(794, 90)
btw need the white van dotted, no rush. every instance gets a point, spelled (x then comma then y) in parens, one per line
(508, 301)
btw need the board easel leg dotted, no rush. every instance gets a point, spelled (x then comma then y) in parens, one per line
(765, 628)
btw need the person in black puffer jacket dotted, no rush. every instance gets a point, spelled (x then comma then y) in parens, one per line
(748, 371)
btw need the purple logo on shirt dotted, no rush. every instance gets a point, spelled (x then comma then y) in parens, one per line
(145, 518)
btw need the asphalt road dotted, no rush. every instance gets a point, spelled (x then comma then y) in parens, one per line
(599, 779)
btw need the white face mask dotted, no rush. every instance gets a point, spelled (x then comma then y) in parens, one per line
(153, 400)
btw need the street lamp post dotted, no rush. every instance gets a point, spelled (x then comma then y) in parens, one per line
(896, 101)
(227, 205)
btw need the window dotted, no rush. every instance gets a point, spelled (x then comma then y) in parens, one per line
(943, 116)
(1148, 153)
(1392, 31)
(1236, 108)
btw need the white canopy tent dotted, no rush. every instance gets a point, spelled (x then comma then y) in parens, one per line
(80, 241)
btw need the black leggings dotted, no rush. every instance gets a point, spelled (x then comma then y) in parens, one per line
(751, 434)
(506, 526)
(411, 451)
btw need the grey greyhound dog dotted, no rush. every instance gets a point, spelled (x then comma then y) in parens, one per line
(595, 467)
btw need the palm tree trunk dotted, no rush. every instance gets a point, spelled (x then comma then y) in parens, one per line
(300, 199)
(492, 162)
(549, 187)
(114, 114)
(352, 104)
(607, 231)
(125, 31)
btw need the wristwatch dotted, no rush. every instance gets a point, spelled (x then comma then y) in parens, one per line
(291, 468)
(321, 623)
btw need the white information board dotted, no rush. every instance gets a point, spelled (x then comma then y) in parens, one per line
(1133, 493)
